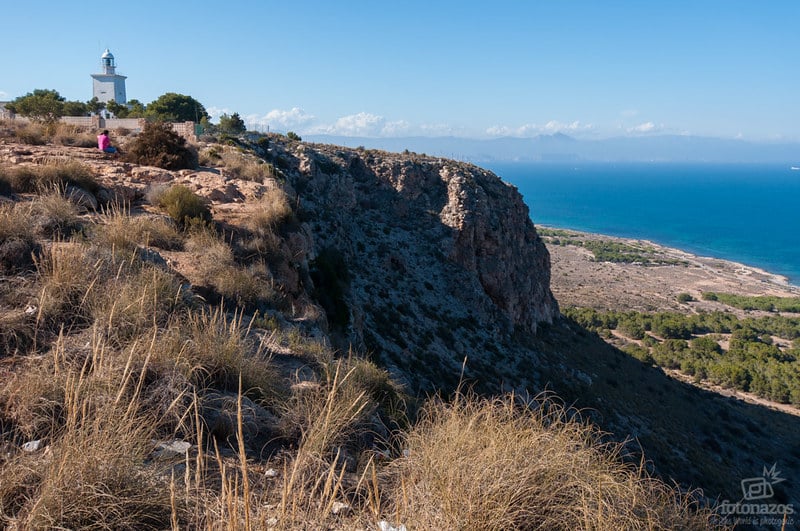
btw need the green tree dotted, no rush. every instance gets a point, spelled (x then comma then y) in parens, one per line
(232, 124)
(136, 109)
(95, 106)
(75, 108)
(172, 107)
(117, 109)
(291, 135)
(41, 105)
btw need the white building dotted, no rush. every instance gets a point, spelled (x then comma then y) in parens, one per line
(109, 85)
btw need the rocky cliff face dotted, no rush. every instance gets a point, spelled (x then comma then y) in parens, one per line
(442, 259)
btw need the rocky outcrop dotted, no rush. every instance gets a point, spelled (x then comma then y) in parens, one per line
(495, 239)
(442, 258)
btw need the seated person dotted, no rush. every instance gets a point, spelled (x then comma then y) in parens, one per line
(104, 143)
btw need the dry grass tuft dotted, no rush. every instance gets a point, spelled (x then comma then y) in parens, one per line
(55, 216)
(496, 464)
(91, 476)
(55, 174)
(123, 296)
(210, 350)
(273, 210)
(119, 230)
(16, 222)
(247, 286)
(31, 133)
(242, 166)
(72, 135)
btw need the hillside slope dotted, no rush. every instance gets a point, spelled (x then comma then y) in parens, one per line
(433, 270)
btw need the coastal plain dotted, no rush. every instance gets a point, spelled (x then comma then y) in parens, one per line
(580, 279)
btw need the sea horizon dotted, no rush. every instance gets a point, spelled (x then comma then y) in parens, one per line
(742, 213)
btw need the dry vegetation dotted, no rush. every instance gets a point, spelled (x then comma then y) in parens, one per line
(129, 402)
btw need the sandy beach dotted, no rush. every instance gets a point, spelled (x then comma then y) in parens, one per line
(578, 280)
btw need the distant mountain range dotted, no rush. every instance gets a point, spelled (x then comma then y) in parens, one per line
(563, 148)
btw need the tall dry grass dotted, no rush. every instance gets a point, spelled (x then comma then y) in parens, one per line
(498, 464)
(72, 135)
(272, 210)
(54, 215)
(55, 173)
(243, 166)
(122, 231)
(92, 474)
(250, 286)
(16, 222)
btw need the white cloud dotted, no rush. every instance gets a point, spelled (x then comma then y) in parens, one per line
(554, 126)
(216, 112)
(3, 95)
(528, 130)
(397, 128)
(499, 130)
(646, 127)
(629, 113)
(521, 131)
(282, 120)
(361, 124)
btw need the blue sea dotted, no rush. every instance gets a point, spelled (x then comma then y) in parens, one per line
(744, 213)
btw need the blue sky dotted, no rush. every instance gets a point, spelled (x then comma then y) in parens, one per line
(479, 69)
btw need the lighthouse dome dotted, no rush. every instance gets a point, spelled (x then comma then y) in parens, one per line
(107, 55)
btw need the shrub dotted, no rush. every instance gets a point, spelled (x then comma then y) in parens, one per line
(291, 135)
(158, 145)
(184, 206)
(685, 297)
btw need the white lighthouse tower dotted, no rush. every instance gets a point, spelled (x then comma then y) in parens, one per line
(109, 85)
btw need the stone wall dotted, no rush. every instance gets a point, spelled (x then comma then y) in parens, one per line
(82, 121)
(134, 124)
(184, 129)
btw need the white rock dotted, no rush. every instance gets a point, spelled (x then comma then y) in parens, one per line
(340, 508)
(32, 446)
(173, 447)
(386, 526)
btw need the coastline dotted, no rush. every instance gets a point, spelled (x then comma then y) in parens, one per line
(578, 280)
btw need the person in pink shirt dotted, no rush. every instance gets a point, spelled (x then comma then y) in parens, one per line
(104, 143)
